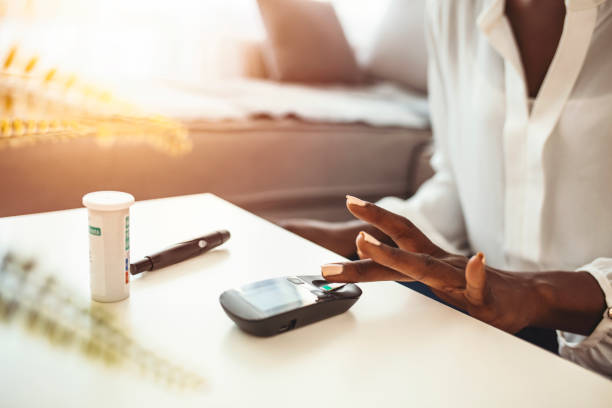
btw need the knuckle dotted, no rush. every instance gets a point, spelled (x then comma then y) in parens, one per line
(408, 226)
(377, 214)
(347, 275)
(428, 260)
(406, 229)
(358, 269)
(361, 269)
(403, 235)
(455, 260)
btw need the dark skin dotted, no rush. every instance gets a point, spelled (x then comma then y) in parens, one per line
(392, 248)
(537, 27)
(509, 300)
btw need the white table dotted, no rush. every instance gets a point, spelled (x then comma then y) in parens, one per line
(394, 346)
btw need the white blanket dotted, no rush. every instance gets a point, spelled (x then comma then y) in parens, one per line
(380, 104)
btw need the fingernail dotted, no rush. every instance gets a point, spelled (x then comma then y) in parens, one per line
(370, 239)
(481, 257)
(355, 201)
(331, 270)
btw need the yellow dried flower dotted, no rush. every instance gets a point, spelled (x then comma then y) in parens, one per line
(31, 64)
(18, 127)
(73, 109)
(50, 74)
(6, 130)
(10, 57)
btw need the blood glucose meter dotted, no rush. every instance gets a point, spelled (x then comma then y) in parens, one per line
(274, 306)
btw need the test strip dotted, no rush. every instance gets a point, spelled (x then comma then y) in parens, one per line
(332, 286)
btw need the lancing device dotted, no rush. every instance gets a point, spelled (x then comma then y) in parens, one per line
(180, 252)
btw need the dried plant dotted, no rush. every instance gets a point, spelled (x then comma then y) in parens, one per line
(40, 104)
(38, 303)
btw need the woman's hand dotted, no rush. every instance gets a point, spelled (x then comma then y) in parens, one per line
(507, 300)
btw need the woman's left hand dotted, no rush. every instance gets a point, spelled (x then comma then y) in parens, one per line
(503, 299)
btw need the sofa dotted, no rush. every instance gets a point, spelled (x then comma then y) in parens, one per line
(277, 148)
(274, 167)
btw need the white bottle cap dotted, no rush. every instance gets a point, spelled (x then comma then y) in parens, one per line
(108, 200)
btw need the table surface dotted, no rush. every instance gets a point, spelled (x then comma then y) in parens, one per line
(394, 345)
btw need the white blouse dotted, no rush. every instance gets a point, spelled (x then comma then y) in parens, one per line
(529, 187)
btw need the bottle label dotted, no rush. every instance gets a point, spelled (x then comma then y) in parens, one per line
(109, 254)
(127, 233)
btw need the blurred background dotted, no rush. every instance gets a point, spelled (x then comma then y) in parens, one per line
(179, 39)
(281, 106)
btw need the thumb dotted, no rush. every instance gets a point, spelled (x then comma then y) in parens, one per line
(476, 280)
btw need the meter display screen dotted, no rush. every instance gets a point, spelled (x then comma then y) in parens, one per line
(274, 296)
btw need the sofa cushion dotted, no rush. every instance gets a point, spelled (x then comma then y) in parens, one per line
(305, 43)
(399, 52)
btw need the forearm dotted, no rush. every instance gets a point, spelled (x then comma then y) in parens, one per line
(338, 237)
(568, 301)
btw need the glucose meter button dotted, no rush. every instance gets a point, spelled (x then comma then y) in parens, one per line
(295, 280)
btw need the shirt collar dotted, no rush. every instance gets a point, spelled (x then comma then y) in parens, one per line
(576, 5)
(491, 14)
(495, 9)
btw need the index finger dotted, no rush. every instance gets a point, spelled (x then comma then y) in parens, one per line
(401, 230)
(361, 271)
(422, 267)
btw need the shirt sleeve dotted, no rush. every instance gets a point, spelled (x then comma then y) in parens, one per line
(435, 208)
(594, 351)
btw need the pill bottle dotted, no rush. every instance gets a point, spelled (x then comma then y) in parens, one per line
(109, 244)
